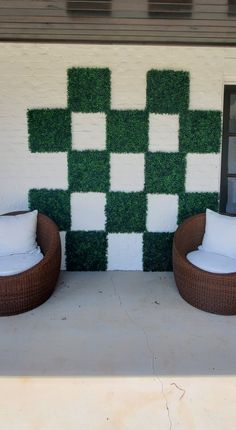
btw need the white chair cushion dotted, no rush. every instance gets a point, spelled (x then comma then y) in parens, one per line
(220, 234)
(18, 233)
(17, 263)
(211, 262)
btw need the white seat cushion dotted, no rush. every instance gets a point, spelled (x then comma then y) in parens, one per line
(220, 234)
(17, 263)
(211, 262)
(18, 233)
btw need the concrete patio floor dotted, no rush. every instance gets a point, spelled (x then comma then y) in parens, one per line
(120, 351)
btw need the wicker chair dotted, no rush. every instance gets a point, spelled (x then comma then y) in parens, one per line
(29, 289)
(209, 292)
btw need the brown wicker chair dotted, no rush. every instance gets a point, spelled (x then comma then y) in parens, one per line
(29, 289)
(209, 292)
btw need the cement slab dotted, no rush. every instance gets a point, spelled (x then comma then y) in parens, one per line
(119, 350)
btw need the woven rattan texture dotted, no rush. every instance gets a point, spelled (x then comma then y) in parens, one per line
(29, 289)
(215, 293)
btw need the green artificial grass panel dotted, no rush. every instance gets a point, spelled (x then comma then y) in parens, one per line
(165, 172)
(167, 91)
(89, 89)
(86, 251)
(49, 130)
(157, 252)
(126, 212)
(127, 131)
(194, 203)
(89, 171)
(53, 203)
(200, 131)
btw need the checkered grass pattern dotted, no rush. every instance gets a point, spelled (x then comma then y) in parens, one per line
(121, 167)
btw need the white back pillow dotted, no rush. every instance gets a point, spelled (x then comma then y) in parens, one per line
(220, 234)
(18, 233)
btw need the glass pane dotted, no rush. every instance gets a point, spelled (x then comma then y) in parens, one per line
(232, 155)
(232, 114)
(231, 198)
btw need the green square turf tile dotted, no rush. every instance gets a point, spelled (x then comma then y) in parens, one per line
(88, 171)
(126, 212)
(200, 131)
(127, 131)
(164, 173)
(194, 203)
(49, 130)
(86, 251)
(157, 251)
(89, 89)
(53, 203)
(167, 91)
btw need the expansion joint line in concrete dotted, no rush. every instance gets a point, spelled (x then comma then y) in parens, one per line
(149, 348)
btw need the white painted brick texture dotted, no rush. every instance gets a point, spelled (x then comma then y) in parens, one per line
(163, 133)
(127, 172)
(125, 251)
(35, 76)
(88, 211)
(162, 212)
(202, 173)
(88, 131)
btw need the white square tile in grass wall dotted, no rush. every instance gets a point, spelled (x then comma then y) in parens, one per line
(47, 170)
(163, 133)
(88, 131)
(202, 173)
(162, 212)
(127, 172)
(129, 85)
(125, 251)
(63, 250)
(88, 211)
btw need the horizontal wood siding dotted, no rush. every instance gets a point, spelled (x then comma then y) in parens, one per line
(131, 21)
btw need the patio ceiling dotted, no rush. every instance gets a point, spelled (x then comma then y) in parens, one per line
(211, 22)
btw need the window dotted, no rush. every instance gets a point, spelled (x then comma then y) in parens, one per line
(174, 9)
(89, 8)
(163, 9)
(228, 167)
(232, 8)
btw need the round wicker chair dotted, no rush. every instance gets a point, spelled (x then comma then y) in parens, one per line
(209, 292)
(29, 289)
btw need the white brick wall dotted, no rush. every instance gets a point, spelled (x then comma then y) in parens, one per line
(88, 211)
(127, 172)
(162, 212)
(63, 250)
(88, 131)
(125, 251)
(202, 172)
(35, 76)
(163, 133)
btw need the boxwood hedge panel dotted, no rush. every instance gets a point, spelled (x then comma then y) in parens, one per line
(127, 132)
(53, 203)
(49, 130)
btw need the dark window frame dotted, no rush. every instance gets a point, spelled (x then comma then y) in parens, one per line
(231, 8)
(165, 9)
(89, 8)
(228, 91)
